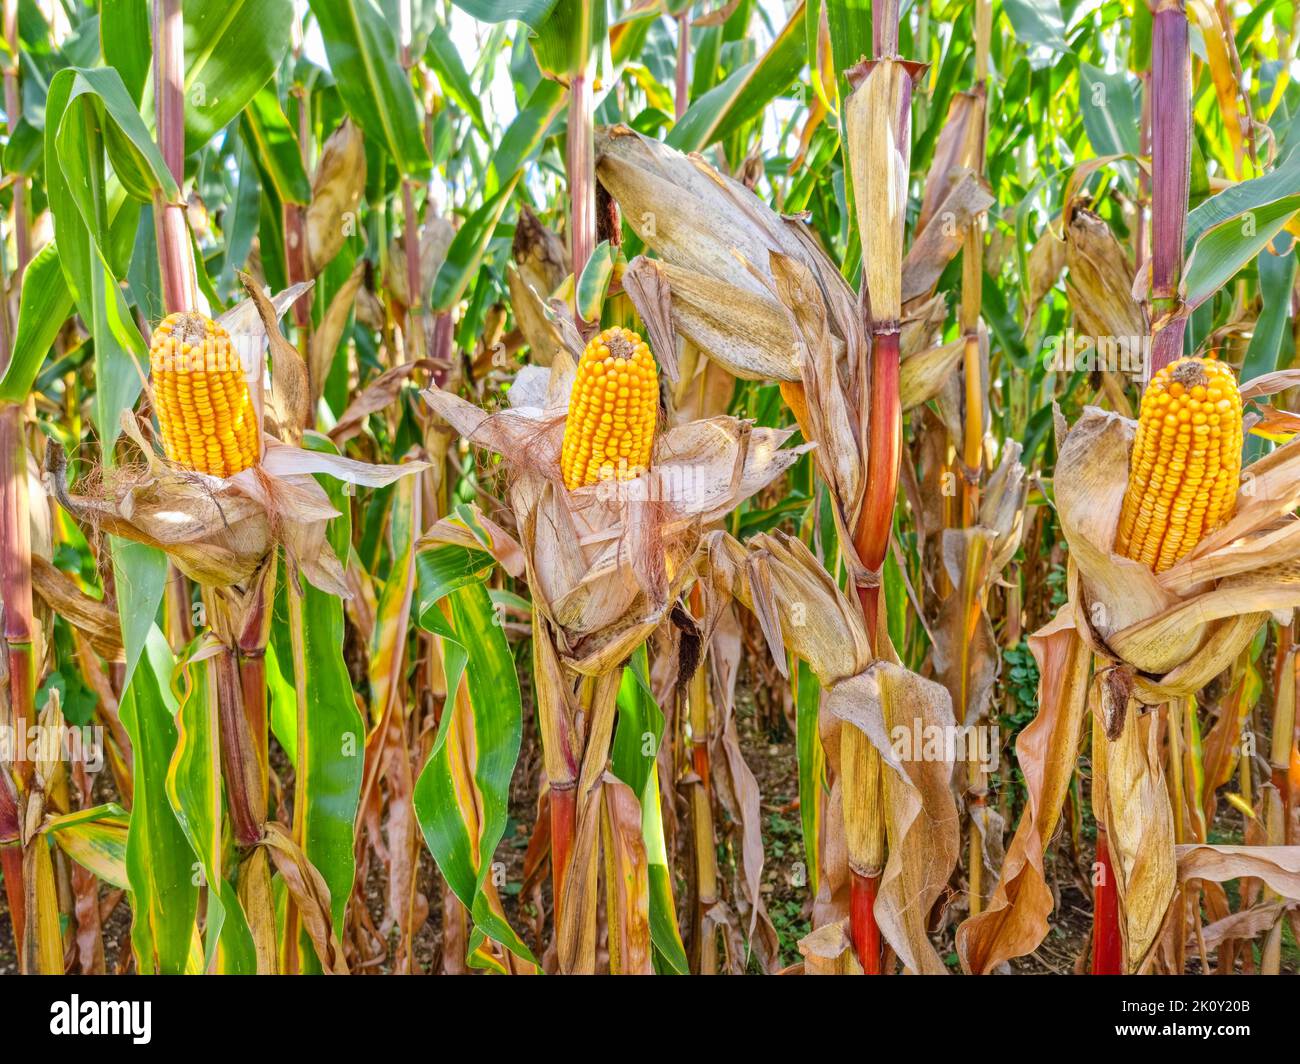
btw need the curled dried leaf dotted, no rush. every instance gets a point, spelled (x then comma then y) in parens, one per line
(336, 190)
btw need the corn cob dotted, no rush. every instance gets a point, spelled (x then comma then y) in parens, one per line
(1186, 462)
(201, 398)
(610, 430)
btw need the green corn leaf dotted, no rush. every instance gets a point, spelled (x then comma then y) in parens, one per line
(743, 95)
(485, 700)
(1276, 281)
(594, 282)
(563, 42)
(308, 641)
(1111, 111)
(811, 760)
(445, 60)
(232, 49)
(194, 790)
(124, 40)
(93, 119)
(1235, 201)
(96, 839)
(277, 147)
(376, 91)
(160, 865)
(442, 570)
(635, 747)
(530, 12)
(465, 256)
(45, 305)
(1039, 25)
(1220, 251)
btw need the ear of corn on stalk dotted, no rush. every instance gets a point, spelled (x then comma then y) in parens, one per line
(613, 408)
(202, 400)
(1186, 462)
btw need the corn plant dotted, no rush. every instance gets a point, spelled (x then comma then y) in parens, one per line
(473, 475)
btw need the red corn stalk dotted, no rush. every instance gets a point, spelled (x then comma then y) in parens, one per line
(175, 254)
(879, 127)
(884, 28)
(862, 921)
(1171, 158)
(239, 761)
(252, 643)
(172, 233)
(1107, 946)
(19, 626)
(972, 278)
(564, 820)
(411, 240)
(881, 321)
(15, 535)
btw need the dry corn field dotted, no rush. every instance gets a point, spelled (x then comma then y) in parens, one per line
(650, 486)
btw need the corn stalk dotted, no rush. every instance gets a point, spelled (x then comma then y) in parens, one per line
(879, 132)
(19, 629)
(1171, 150)
(1171, 163)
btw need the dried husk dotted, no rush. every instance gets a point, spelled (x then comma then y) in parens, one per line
(213, 532)
(1242, 926)
(713, 238)
(920, 815)
(220, 531)
(1015, 920)
(1139, 825)
(539, 333)
(957, 150)
(717, 246)
(1155, 639)
(94, 618)
(1180, 629)
(604, 562)
(925, 318)
(936, 245)
(1277, 866)
(435, 238)
(540, 257)
(800, 609)
(830, 415)
(744, 330)
(828, 951)
(336, 190)
(877, 120)
(325, 340)
(1100, 279)
(966, 656)
(1046, 261)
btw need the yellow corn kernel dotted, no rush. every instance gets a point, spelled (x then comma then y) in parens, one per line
(205, 412)
(610, 430)
(1186, 462)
